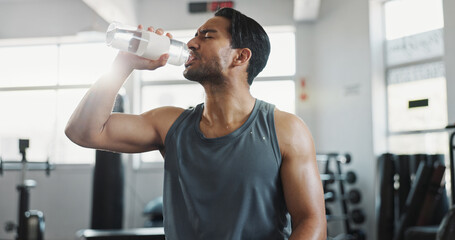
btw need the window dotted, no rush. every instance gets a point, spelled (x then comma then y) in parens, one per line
(275, 84)
(409, 17)
(416, 84)
(83, 63)
(28, 66)
(40, 86)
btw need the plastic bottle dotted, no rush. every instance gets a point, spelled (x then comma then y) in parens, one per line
(145, 43)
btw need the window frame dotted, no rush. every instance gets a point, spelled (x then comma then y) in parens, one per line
(57, 42)
(408, 63)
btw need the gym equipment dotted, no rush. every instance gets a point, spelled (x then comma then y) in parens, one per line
(353, 235)
(350, 177)
(415, 199)
(357, 216)
(446, 231)
(432, 196)
(343, 158)
(357, 235)
(402, 167)
(154, 213)
(327, 176)
(328, 211)
(433, 200)
(122, 234)
(353, 196)
(31, 223)
(421, 233)
(452, 162)
(46, 166)
(386, 218)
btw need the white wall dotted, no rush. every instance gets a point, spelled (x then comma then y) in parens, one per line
(46, 18)
(334, 58)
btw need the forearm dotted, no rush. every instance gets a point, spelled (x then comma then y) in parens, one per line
(309, 229)
(96, 106)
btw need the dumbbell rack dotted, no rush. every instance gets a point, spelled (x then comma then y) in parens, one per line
(346, 216)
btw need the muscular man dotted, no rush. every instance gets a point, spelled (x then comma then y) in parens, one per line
(235, 166)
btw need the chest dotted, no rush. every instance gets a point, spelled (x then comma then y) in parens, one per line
(217, 130)
(249, 157)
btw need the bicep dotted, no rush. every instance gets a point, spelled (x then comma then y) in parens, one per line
(302, 185)
(127, 133)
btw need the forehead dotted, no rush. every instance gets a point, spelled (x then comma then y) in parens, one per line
(220, 24)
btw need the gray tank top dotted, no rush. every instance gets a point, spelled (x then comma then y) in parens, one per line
(227, 187)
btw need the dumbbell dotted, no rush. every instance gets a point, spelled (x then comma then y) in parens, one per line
(349, 177)
(342, 158)
(328, 211)
(353, 196)
(356, 235)
(356, 215)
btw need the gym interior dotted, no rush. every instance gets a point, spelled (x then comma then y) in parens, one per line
(374, 80)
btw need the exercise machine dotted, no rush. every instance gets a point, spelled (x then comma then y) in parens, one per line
(452, 162)
(30, 224)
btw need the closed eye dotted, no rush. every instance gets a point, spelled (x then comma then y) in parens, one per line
(205, 32)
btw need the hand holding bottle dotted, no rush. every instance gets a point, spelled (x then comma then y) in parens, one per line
(150, 44)
(129, 60)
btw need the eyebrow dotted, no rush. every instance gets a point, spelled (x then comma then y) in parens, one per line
(204, 31)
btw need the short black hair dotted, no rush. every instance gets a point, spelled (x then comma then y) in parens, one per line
(247, 33)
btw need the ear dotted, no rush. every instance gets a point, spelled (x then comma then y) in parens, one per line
(243, 56)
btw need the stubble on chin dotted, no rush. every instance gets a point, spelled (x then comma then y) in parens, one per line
(205, 73)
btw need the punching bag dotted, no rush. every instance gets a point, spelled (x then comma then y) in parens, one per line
(386, 206)
(108, 184)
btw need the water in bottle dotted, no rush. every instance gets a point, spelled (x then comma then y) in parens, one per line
(146, 44)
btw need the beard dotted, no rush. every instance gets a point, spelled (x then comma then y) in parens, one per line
(209, 72)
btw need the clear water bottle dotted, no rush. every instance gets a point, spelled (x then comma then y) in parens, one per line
(146, 44)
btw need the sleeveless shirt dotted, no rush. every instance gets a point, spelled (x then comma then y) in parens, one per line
(227, 187)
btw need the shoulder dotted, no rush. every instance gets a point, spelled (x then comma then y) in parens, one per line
(289, 124)
(161, 119)
(163, 113)
(293, 135)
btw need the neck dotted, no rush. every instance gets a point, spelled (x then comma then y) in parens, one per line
(226, 108)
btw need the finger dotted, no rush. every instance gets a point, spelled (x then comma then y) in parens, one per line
(169, 35)
(159, 31)
(163, 59)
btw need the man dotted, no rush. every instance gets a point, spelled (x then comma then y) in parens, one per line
(234, 166)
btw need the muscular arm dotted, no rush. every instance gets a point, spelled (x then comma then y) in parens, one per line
(94, 125)
(300, 177)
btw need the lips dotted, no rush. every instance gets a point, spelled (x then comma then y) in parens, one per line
(191, 58)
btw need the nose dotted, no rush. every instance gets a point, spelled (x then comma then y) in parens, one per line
(193, 44)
